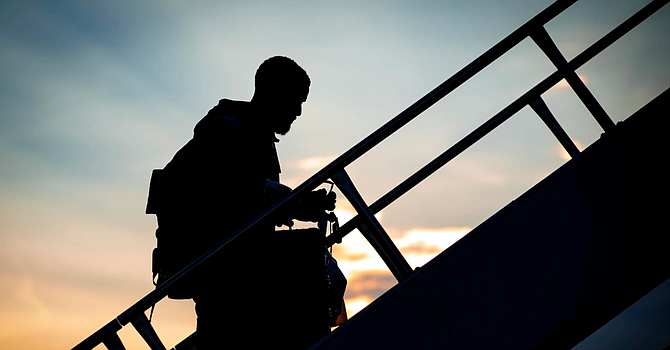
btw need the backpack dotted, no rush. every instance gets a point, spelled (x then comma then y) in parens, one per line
(168, 259)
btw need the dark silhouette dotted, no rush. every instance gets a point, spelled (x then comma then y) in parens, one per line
(214, 185)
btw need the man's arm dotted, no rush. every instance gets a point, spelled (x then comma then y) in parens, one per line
(312, 205)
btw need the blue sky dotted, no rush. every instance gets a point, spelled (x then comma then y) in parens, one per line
(93, 95)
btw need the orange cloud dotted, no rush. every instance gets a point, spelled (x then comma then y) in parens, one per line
(367, 275)
(343, 255)
(421, 245)
(421, 248)
(370, 284)
(355, 305)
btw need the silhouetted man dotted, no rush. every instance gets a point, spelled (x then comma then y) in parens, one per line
(213, 186)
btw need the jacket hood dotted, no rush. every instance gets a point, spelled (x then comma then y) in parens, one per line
(237, 109)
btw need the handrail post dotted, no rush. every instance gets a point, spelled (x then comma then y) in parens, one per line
(543, 40)
(543, 111)
(114, 343)
(144, 328)
(372, 230)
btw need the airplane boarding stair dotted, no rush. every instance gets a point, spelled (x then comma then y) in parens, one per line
(544, 272)
(548, 269)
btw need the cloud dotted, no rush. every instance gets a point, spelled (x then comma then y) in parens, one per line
(343, 254)
(420, 245)
(299, 170)
(368, 276)
(421, 248)
(370, 284)
(355, 253)
(355, 305)
(315, 163)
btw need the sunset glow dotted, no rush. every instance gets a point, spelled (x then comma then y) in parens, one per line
(96, 94)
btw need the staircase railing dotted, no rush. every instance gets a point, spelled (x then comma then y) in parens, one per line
(365, 220)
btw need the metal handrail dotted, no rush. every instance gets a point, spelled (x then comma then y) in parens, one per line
(537, 22)
(498, 119)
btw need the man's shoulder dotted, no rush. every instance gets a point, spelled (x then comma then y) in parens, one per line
(218, 128)
(226, 117)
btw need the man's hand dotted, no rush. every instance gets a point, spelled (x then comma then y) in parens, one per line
(312, 206)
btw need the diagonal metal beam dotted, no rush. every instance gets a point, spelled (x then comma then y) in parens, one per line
(144, 328)
(543, 40)
(114, 343)
(548, 118)
(372, 230)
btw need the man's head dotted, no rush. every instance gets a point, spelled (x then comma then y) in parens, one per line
(281, 88)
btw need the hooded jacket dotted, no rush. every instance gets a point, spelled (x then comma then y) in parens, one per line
(214, 185)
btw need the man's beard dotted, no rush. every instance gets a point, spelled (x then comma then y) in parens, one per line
(282, 128)
(283, 131)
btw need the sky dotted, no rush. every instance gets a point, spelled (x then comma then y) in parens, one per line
(96, 94)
